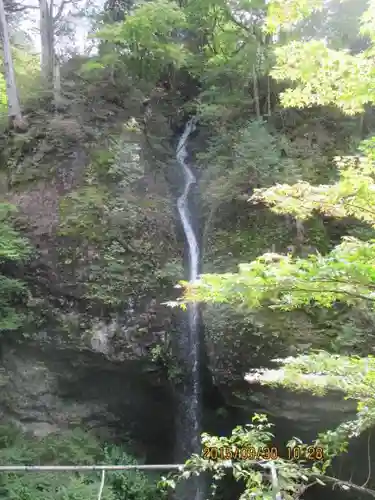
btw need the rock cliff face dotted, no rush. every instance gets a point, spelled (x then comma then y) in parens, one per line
(47, 388)
(93, 200)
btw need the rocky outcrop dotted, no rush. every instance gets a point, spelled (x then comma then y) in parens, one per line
(85, 358)
(47, 388)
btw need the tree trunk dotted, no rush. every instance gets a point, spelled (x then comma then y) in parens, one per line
(56, 84)
(47, 48)
(256, 94)
(300, 230)
(14, 109)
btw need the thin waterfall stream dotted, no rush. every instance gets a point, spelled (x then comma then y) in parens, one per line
(191, 406)
(183, 204)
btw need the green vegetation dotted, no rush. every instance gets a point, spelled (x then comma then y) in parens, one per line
(283, 91)
(67, 448)
(119, 235)
(344, 275)
(14, 249)
(246, 452)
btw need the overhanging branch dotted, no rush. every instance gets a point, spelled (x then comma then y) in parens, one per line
(347, 484)
(19, 8)
(310, 291)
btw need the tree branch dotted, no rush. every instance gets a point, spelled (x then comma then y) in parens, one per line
(60, 10)
(336, 292)
(347, 484)
(311, 291)
(345, 282)
(248, 29)
(21, 8)
(362, 208)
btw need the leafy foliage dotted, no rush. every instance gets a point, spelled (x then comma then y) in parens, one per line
(13, 249)
(250, 442)
(331, 77)
(342, 276)
(345, 274)
(281, 279)
(147, 39)
(69, 448)
(133, 484)
(26, 67)
(247, 156)
(320, 372)
(352, 196)
(283, 14)
(3, 99)
(338, 23)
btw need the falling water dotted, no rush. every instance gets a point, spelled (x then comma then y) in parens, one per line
(190, 409)
(182, 202)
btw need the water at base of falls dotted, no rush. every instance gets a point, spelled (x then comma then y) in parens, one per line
(189, 412)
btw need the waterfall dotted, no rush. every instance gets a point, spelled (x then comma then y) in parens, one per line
(189, 414)
(182, 202)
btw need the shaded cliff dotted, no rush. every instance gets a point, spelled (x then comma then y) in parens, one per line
(90, 185)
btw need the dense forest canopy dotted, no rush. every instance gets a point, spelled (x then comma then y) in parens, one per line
(283, 93)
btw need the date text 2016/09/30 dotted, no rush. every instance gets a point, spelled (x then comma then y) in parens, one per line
(259, 453)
